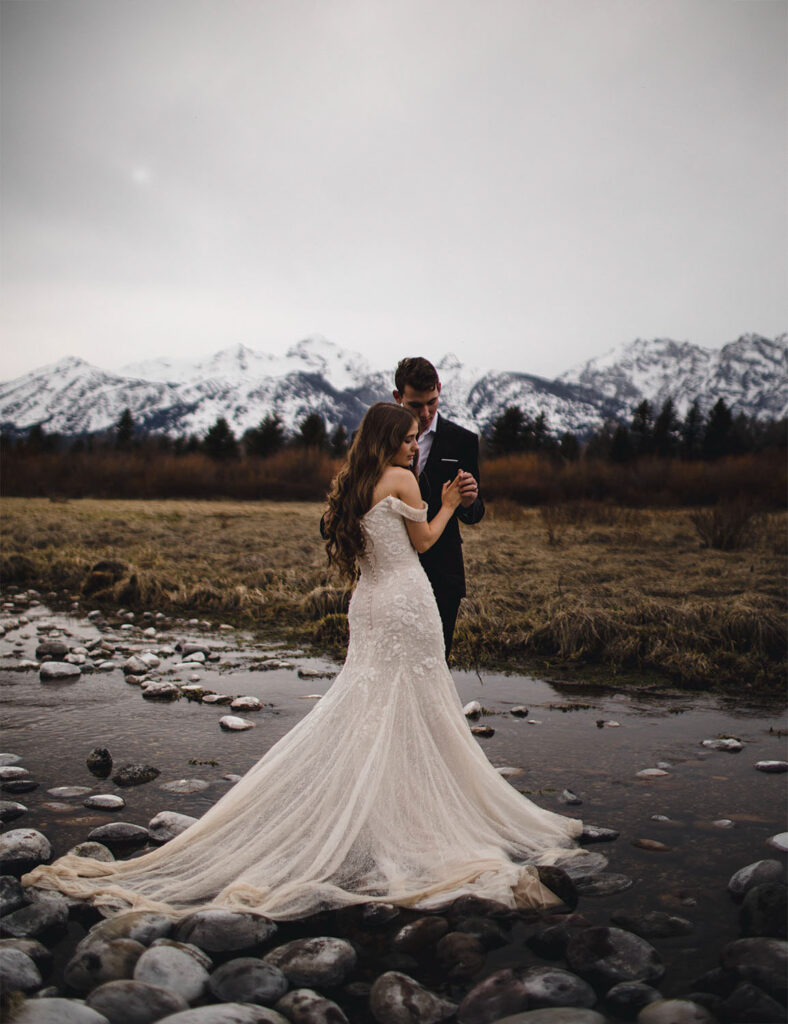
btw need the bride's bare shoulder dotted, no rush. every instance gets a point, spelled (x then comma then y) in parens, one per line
(398, 482)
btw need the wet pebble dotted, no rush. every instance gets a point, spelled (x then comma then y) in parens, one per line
(96, 851)
(598, 834)
(653, 845)
(49, 914)
(119, 833)
(605, 956)
(570, 798)
(12, 771)
(185, 786)
(246, 704)
(160, 691)
(51, 650)
(520, 711)
(651, 773)
(10, 810)
(654, 924)
(629, 997)
(176, 967)
(22, 849)
(755, 874)
(217, 698)
(135, 775)
(471, 710)
(779, 841)
(143, 926)
(675, 1011)
(57, 1011)
(6, 759)
(134, 1002)
(605, 884)
(764, 910)
(554, 986)
(166, 825)
(321, 961)
(99, 762)
(233, 723)
(749, 1003)
(304, 1006)
(483, 730)
(96, 962)
(729, 743)
(460, 954)
(774, 767)
(12, 895)
(19, 785)
(18, 972)
(52, 671)
(248, 980)
(396, 998)
(134, 666)
(67, 792)
(220, 931)
(105, 801)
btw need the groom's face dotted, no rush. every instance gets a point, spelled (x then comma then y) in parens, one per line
(423, 404)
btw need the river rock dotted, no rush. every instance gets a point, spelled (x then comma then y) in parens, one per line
(174, 967)
(248, 980)
(460, 954)
(729, 743)
(755, 874)
(134, 1002)
(95, 851)
(748, 1004)
(12, 895)
(36, 950)
(47, 915)
(135, 775)
(18, 972)
(654, 924)
(605, 956)
(304, 1006)
(134, 666)
(764, 910)
(216, 698)
(569, 798)
(19, 786)
(774, 767)
(779, 842)
(598, 834)
(227, 1013)
(675, 1011)
(220, 931)
(185, 786)
(419, 934)
(143, 926)
(57, 1011)
(771, 954)
(22, 849)
(376, 915)
(12, 771)
(10, 810)
(246, 704)
(560, 883)
(489, 933)
(6, 759)
(99, 762)
(150, 659)
(580, 863)
(167, 825)
(51, 650)
(606, 884)
(68, 792)
(105, 802)
(628, 997)
(555, 1015)
(119, 833)
(52, 671)
(550, 942)
(160, 691)
(95, 963)
(553, 986)
(398, 999)
(471, 710)
(321, 961)
(498, 994)
(233, 723)
(652, 845)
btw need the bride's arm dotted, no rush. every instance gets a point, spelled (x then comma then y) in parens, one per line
(423, 535)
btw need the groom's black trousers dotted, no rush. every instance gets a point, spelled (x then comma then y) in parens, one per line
(448, 602)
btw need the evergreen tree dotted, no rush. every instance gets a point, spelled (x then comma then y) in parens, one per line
(569, 447)
(717, 439)
(643, 429)
(267, 438)
(691, 433)
(622, 446)
(339, 442)
(508, 431)
(312, 431)
(124, 431)
(220, 441)
(666, 431)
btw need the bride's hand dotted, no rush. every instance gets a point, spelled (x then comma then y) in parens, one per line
(450, 494)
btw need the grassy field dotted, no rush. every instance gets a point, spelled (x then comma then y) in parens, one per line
(578, 590)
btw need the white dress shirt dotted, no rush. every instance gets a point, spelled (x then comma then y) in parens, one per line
(425, 444)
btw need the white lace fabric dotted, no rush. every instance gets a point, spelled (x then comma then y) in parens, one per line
(380, 793)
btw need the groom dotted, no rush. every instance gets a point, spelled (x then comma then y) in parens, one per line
(444, 449)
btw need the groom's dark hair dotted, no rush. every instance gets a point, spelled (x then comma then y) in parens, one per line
(419, 373)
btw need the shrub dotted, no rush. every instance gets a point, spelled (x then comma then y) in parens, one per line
(729, 526)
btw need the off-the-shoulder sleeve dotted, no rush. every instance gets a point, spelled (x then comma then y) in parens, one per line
(418, 515)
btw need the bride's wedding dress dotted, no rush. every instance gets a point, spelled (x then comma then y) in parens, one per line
(380, 794)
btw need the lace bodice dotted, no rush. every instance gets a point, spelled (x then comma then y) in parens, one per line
(388, 545)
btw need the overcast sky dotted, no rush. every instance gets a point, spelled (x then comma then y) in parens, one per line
(525, 183)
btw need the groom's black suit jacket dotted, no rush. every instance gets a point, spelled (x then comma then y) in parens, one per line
(443, 561)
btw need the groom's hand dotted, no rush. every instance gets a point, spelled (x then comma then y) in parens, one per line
(469, 489)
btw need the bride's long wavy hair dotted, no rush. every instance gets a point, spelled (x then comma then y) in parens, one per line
(383, 429)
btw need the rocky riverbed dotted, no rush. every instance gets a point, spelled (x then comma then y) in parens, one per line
(121, 731)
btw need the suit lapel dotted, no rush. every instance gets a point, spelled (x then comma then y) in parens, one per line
(427, 477)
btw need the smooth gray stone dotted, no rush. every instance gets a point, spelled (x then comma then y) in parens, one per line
(320, 962)
(227, 1013)
(654, 924)
(598, 834)
(495, 996)
(10, 759)
(160, 691)
(52, 671)
(749, 1003)
(57, 1011)
(134, 666)
(304, 1006)
(605, 956)
(398, 999)
(36, 950)
(186, 947)
(675, 1011)
(95, 851)
(173, 969)
(95, 963)
(553, 986)
(12, 895)
(581, 863)
(248, 980)
(47, 914)
(134, 1002)
(555, 1015)
(764, 910)
(779, 841)
(10, 810)
(461, 954)
(775, 767)
(51, 650)
(771, 954)
(167, 825)
(67, 792)
(105, 802)
(185, 786)
(119, 833)
(19, 785)
(12, 771)
(99, 762)
(419, 934)
(143, 926)
(628, 997)
(757, 873)
(135, 775)
(225, 931)
(22, 849)
(18, 973)
(605, 884)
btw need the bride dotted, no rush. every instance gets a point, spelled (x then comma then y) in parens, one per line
(381, 793)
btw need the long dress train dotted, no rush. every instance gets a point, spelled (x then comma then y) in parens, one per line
(380, 793)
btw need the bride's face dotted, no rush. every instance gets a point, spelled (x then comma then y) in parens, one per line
(408, 450)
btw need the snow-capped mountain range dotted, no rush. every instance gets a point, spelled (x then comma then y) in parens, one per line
(181, 397)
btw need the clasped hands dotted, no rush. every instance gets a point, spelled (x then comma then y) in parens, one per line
(462, 490)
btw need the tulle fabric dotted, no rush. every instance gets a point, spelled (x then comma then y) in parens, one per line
(380, 793)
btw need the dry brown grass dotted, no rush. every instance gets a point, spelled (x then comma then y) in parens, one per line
(625, 591)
